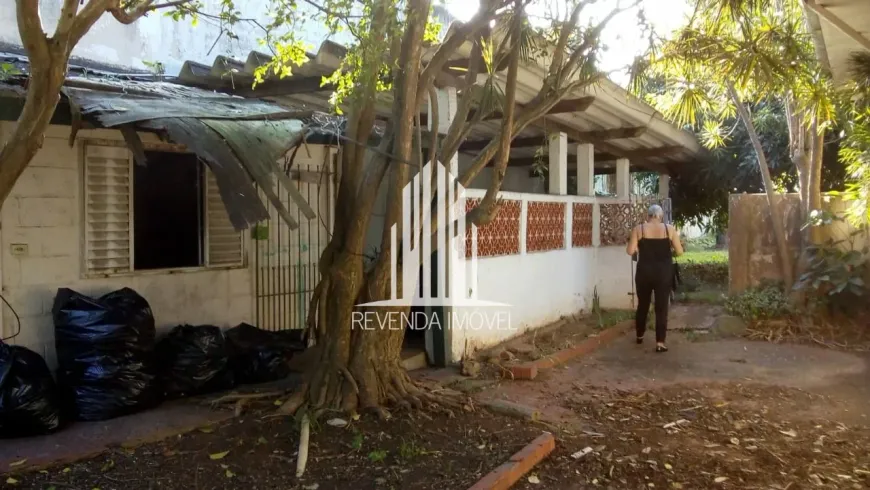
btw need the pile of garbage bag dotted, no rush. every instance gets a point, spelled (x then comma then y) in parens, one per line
(109, 363)
(105, 353)
(28, 396)
(259, 356)
(194, 361)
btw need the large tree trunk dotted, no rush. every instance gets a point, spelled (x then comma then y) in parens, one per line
(779, 233)
(43, 94)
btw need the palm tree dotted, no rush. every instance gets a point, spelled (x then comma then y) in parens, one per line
(733, 53)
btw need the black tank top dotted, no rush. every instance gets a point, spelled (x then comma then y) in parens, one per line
(654, 250)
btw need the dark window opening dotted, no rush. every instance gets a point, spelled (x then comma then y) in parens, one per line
(167, 211)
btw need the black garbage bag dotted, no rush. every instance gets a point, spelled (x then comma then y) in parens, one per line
(259, 356)
(194, 361)
(105, 353)
(28, 395)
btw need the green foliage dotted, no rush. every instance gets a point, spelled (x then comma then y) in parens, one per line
(596, 307)
(855, 148)
(836, 269)
(610, 318)
(762, 303)
(7, 70)
(409, 450)
(357, 442)
(763, 50)
(378, 455)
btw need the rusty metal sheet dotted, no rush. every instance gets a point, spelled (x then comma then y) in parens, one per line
(113, 109)
(234, 184)
(259, 144)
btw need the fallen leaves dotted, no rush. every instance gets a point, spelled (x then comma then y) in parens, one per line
(217, 456)
(17, 463)
(737, 440)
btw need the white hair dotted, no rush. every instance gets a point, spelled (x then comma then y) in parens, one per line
(656, 211)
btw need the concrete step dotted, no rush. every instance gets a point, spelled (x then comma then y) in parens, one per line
(413, 359)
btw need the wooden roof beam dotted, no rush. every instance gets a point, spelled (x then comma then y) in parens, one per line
(597, 135)
(564, 106)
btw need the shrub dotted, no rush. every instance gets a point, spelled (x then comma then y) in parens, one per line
(762, 303)
(704, 268)
(835, 271)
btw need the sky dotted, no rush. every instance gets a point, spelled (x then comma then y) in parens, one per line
(622, 35)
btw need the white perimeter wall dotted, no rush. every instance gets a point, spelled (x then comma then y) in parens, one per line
(44, 213)
(542, 287)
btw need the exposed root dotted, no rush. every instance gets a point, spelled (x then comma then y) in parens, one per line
(350, 380)
(295, 401)
(246, 397)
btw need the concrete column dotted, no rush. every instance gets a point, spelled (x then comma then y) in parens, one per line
(623, 178)
(585, 170)
(441, 350)
(446, 103)
(558, 164)
(664, 186)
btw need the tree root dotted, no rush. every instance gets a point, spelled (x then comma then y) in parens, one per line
(242, 398)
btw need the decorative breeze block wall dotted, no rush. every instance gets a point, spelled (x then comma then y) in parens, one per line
(581, 225)
(545, 228)
(617, 220)
(501, 236)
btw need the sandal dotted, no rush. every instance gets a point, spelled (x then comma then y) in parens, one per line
(661, 348)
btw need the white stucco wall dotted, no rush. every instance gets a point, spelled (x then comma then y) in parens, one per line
(44, 213)
(157, 38)
(542, 287)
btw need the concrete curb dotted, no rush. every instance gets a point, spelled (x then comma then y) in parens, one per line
(529, 370)
(518, 465)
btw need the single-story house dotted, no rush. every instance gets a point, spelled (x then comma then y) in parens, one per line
(85, 215)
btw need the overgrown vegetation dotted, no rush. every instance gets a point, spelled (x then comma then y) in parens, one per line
(836, 269)
(765, 302)
(731, 58)
(703, 272)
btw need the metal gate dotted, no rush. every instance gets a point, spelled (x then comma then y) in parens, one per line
(284, 260)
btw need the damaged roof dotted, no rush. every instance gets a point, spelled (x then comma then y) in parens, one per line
(241, 140)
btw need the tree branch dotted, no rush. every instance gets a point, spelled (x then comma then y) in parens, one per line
(459, 127)
(66, 20)
(485, 211)
(30, 29)
(480, 20)
(125, 16)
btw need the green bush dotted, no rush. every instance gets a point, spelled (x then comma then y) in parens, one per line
(761, 303)
(708, 268)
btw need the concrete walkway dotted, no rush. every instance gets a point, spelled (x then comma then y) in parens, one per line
(843, 378)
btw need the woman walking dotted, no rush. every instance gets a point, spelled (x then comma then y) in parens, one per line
(655, 243)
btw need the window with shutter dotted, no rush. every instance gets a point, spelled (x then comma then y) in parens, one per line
(123, 234)
(108, 197)
(223, 243)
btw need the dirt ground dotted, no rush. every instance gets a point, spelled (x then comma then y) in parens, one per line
(730, 436)
(712, 412)
(716, 411)
(410, 451)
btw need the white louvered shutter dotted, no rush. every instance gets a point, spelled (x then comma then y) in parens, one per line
(108, 204)
(223, 242)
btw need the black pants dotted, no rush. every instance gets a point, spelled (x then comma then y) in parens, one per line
(653, 278)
